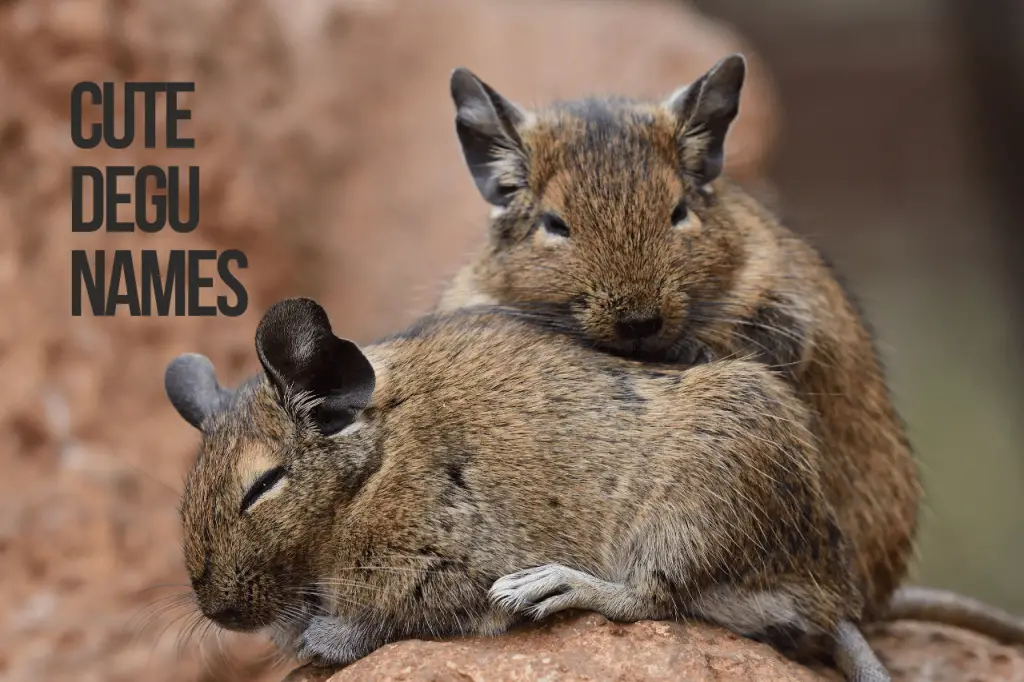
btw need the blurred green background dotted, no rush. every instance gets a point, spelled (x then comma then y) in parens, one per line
(902, 156)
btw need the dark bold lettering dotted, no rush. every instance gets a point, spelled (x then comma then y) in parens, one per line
(114, 198)
(110, 116)
(149, 91)
(78, 176)
(94, 286)
(229, 278)
(174, 200)
(174, 114)
(173, 283)
(159, 201)
(195, 283)
(122, 269)
(78, 94)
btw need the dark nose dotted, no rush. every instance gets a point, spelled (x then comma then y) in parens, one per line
(229, 618)
(633, 328)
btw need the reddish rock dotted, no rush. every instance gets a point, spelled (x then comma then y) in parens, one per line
(928, 652)
(327, 152)
(589, 648)
(584, 648)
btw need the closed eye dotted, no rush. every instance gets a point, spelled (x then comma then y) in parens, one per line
(554, 225)
(683, 218)
(264, 484)
(679, 213)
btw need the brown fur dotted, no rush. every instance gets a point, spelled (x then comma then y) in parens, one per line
(491, 446)
(728, 282)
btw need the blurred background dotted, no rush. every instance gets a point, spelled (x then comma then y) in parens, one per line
(889, 132)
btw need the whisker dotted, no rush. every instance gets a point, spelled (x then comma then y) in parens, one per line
(187, 615)
(185, 635)
(150, 613)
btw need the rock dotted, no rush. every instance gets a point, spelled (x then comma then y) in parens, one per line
(584, 648)
(929, 652)
(589, 648)
(327, 154)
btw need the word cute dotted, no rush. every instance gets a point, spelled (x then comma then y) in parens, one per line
(160, 197)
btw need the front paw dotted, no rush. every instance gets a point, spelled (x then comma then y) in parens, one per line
(539, 592)
(689, 352)
(696, 353)
(330, 642)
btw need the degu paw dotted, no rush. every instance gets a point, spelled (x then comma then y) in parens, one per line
(692, 352)
(539, 592)
(329, 642)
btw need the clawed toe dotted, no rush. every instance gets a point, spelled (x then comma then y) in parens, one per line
(536, 592)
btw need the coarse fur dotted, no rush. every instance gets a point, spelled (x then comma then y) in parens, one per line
(612, 220)
(477, 470)
(656, 255)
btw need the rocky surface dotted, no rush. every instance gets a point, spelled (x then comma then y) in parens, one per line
(324, 136)
(578, 649)
(589, 648)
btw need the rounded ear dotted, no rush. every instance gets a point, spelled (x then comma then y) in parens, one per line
(704, 111)
(300, 354)
(487, 126)
(190, 382)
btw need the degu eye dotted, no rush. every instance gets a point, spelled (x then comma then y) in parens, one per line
(262, 485)
(552, 224)
(680, 213)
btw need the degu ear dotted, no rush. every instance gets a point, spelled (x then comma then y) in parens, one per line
(190, 382)
(487, 126)
(299, 353)
(704, 110)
